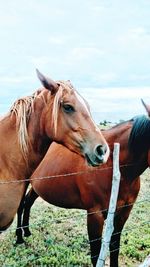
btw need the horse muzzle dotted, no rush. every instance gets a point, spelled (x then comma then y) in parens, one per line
(99, 156)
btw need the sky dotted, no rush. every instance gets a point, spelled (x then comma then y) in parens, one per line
(102, 46)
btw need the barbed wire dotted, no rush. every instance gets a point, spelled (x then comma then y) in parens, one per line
(13, 180)
(96, 256)
(123, 232)
(53, 220)
(110, 251)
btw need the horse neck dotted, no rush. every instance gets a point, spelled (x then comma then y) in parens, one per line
(131, 166)
(11, 161)
(119, 134)
(39, 141)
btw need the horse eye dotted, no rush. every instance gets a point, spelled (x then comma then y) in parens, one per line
(68, 108)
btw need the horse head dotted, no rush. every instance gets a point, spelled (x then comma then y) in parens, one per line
(71, 123)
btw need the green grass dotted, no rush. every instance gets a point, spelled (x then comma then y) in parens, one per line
(59, 237)
(136, 243)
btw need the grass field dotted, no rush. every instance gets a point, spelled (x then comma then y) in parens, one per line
(59, 236)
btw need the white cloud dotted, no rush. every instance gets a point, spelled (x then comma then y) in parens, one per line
(82, 53)
(105, 77)
(98, 8)
(57, 40)
(139, 31)
(14, 79)
(124, 92)
(41, 61)
(139, 77)
(48, 9)
(135, 37)
(95, 42)
(116, 103)
(8, 20)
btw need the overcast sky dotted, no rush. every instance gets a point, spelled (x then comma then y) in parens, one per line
(94, 43)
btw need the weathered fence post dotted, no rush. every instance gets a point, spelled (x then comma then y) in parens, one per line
(112, 207)
(146, 263)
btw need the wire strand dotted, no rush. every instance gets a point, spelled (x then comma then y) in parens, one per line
(79, 215)
(13, 180)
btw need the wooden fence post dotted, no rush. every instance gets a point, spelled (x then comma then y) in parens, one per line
(112, 207)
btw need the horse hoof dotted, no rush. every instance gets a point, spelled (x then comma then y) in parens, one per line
(27, 233)
(20, 241)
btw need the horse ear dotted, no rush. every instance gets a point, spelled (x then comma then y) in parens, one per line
(47, 82)
(147, 107)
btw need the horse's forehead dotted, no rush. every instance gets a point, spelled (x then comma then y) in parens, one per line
(80, 99)
(70, 92)
(77, 98)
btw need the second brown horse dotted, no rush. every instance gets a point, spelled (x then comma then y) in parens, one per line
(90, 188)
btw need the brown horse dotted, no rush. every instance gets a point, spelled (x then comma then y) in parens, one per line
(55, 112)
(89, 188)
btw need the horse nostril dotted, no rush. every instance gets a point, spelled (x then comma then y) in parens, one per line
(101, 150)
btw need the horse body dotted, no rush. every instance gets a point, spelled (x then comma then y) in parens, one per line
(52, 113)
(88, 188)
(85, 185)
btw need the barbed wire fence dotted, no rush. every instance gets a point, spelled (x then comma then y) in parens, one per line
(62, 219)
(146, 199)
(15, 181)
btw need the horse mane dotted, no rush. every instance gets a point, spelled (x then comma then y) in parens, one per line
(23, 107)
(139, 139)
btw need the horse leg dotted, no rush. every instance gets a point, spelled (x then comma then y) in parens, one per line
(19, 231)
(119, 222)
(95, 223)
(29, 200)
